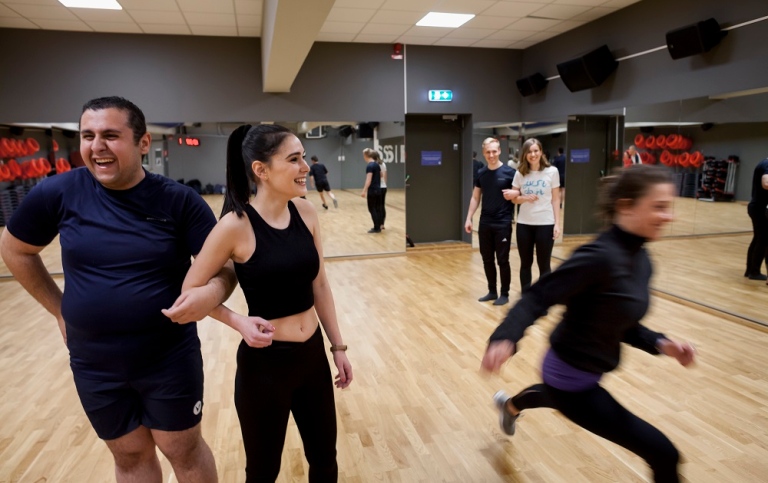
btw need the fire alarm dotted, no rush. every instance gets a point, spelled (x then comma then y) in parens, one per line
(397, 51)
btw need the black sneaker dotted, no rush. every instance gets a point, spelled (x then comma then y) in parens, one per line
(758, 276)
(374, 230)
(504, 299)
(325, 206)
(487, 297)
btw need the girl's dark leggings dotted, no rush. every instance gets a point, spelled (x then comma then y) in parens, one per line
(528, 237)
(598, 412)
(270, 383)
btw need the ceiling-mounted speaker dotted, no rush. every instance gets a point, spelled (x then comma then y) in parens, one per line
(646, 129)
(365, 130)
(707, 126)
(346, 130)
(694, 39)
(588, 71)
(531, 85)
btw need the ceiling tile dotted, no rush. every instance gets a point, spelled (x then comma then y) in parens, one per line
(539, 36)
(206, 6)
(468, 33)
(489, 22)
(249, 31)
(533, 24)
(94, 15)
(413, 40)
(118, 27)
(334, 37)
(384, 29)
(417, 5)
(55, 24)
(54, 3)
(491, 44)
(359, 3)
(512, 9)
(215, 30)
(342, 27)
(435, 32)
(249, 21)
(565, 26)
(249, 7)
(165, 29)
(454, 42)
(158, 5)
(594, 13)
(396, 17)
(350, 14)
(523, 44)
(562, 12)
(619, 3)
(148, 16)
(7, 12)
(509, 35)
(377, 38)
(42, 11)
(17, 23)
(210, 19)
(462, 6)
(588, 3)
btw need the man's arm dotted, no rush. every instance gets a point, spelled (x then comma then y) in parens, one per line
(474, 202)
(368, 179)
(26, 265)
(764, 181)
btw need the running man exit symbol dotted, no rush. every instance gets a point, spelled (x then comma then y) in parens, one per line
(440, 96)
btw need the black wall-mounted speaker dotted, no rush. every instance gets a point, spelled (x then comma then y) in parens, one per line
(588, 71)
(694, 39)
(707, 126)
(346, 130)
(365, 130)
(531, 85)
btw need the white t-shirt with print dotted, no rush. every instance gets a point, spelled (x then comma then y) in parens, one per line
(539, 183)
(383, 167)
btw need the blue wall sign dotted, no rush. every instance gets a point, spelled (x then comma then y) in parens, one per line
(579, 155)
(431, 158)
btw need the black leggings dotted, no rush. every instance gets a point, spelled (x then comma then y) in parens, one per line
(598, 412)
(528, 237)
(286, 377)
(496, 240)
(757, 254)
(383, 206)
(375, 206)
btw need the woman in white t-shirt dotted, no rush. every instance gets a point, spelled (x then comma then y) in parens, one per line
(538, 220)
(383, 206)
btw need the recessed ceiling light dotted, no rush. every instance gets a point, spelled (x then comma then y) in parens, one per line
(450, 20)
(102, 4)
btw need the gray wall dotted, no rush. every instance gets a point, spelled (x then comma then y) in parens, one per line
(739, 62)
(188, 78)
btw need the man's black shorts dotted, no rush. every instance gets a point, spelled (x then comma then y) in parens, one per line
(323, 186)
(167, 397)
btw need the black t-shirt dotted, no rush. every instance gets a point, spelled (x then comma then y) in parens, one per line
(559, 163)
(319, 172)
(476, 167)
(374, 168)
(495, 209)
(759, 194)
(604, 287)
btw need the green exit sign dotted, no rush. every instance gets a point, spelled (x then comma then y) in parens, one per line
(440, 96)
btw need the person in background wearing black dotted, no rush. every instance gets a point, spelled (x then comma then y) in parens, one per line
(604, 286)
(559, 163)
(476, 167)
(318, 177)
(757, 254)
(372, 188)
(274, 240)
(494, 187)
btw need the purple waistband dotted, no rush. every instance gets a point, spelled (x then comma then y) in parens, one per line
(561, 375)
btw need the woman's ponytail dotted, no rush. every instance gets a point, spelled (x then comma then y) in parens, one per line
(238, 182)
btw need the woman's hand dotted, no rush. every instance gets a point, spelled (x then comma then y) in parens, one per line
(256, 331)
(194, 304)
(497, 354)
(344, 377)
(684, 352)
(555, 232)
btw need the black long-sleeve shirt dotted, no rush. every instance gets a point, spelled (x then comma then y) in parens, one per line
(604, 286)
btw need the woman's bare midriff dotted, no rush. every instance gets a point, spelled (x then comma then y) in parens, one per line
(295, 328)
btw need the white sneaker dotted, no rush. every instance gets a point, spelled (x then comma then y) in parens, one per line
(506, 420)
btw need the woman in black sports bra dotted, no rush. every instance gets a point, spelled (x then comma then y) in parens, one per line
(274, 241)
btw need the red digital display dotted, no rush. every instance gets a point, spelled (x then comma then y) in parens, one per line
(187, 141)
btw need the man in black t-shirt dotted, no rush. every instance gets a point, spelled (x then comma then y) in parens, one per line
(559, 163)
(372, 188)
(757, 254)
(494, 186)
(319, 179)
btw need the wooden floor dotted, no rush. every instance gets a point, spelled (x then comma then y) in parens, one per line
(419, 409)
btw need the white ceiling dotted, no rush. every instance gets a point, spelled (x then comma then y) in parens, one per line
(505, 24)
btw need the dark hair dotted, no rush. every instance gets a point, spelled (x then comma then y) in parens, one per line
(136, 120)
(524, 167)
(247, 144)
(630, 183)
(474, 154)
(560, 150)
(313, 158)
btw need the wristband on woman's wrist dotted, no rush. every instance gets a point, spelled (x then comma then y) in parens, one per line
(338, 347)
